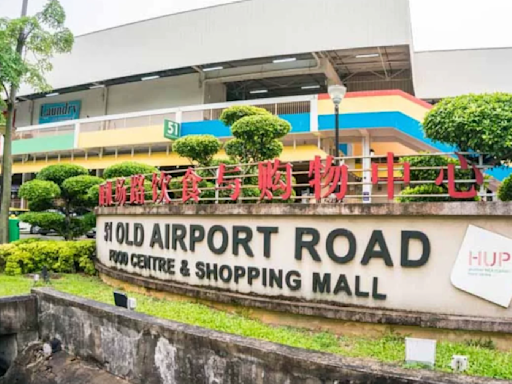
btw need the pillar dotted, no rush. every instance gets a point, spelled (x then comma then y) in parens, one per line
(366, 164)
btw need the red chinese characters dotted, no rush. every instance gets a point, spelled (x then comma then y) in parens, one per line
(452, 191)
(120, 196)
(269, 179)
(105, 194)
(160, 186)
(191, 186)
(232, 183)
(327, 177)
(137, 192)
(390, 172)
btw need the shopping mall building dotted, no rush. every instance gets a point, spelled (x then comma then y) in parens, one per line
(112, 94)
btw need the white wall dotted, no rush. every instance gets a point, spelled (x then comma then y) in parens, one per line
(154, 94)
(451, 73)
(231, 32)
(215, 93)
(92, 105)
(132, 97)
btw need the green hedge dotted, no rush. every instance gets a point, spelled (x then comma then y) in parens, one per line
(23, 257)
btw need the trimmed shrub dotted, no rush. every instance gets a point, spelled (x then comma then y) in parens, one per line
(231, 115)
(60, 172)
(198, 148)
(505, 191)
(127, 169)
(57, 256)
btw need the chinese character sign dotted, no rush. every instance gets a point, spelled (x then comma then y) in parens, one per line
(325, 178)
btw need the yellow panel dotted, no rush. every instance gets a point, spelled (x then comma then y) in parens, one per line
(122, 137)
(365, 104)
(383, 148)
(301, 153)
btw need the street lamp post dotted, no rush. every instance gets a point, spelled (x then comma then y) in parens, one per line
(337, 93)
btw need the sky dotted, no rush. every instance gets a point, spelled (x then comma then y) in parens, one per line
(436, 24)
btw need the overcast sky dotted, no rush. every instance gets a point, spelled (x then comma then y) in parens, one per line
(436, 24)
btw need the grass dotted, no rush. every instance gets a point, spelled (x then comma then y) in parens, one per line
(484, 360)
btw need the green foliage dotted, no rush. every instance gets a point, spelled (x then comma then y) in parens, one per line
(198, 148)
(66, 226)
(76, 190)
(256, 138)
(58, 173)
(127, 169)
(505, 190)
(424, 189)
(481, 123)
(42, 36)
(57, 256)
(231, 115)
(432, 174)
(39, 193)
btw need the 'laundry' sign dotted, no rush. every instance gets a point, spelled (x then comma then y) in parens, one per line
(52, 113)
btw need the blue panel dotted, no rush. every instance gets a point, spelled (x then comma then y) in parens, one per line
(397, 120)
(499, 173)
(344, 148)
(300, 123)
(400, 122)
(213, 127)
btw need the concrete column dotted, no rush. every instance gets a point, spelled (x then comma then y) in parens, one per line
(366, 164)
(24, 178)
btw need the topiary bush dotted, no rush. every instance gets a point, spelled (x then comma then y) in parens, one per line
(57, 256)
(505, 190)
(232, 114)
(127, 169)
(198, 148)
(59, 172)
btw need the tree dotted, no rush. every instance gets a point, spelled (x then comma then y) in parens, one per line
(481, 123)
(256, 132)
(57, 197)
(26, 47)
(505, 190)
(198, 148)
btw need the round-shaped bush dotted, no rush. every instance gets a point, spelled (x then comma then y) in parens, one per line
(505, 190)
(127, 169)
(60, 172)
(199, 148)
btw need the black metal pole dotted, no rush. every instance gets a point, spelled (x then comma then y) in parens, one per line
(337, 133)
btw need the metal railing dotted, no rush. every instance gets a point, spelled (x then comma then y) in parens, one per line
(357, 189)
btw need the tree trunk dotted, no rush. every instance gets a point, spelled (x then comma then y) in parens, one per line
(7, 158)
(6, 174)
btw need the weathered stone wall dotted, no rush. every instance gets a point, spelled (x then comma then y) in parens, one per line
(148, 350)
(18, 327)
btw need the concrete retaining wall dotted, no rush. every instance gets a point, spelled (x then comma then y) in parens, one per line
(18, 327)
(148, 350)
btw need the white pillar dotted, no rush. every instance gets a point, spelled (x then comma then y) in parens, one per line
(24, 178)
(366, 164)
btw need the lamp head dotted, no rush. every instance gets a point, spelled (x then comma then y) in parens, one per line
(337, 93)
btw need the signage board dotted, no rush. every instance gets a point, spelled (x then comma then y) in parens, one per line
(401, 263)
(54, 112)
(172, 129)
(484, 266)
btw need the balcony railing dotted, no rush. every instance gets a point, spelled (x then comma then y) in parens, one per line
(195, 113)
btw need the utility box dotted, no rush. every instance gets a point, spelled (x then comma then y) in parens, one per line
(14, 230)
